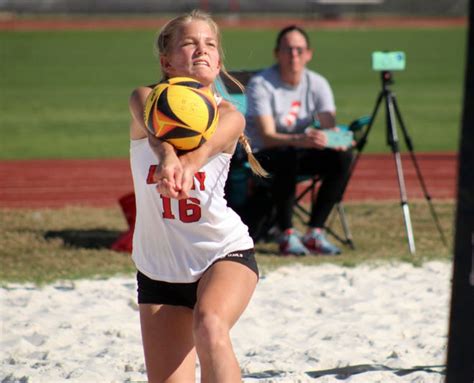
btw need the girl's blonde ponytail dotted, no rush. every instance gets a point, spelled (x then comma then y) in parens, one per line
(254, 164)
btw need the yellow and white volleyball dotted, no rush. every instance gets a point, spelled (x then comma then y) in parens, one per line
(181, 111)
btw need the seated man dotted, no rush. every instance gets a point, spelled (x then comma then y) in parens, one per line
(283, 100)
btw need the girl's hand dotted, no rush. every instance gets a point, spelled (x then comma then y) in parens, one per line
(169, 172)
(187, 180)
(175, 179)
(174, 176)
(168, 177)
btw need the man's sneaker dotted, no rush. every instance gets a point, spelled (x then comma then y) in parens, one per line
(316, 242)
(290, 243)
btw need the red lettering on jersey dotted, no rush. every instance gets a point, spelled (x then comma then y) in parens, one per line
(201, 177)
(150, 179)
(189, 208)
(167, 213)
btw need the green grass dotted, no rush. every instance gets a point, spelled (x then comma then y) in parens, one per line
(42, 246)
(64, 94)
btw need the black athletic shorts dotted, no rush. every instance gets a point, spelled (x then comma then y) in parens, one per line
(184, 294)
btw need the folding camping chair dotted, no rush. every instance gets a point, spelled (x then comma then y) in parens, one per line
(357, 127)
(239, 174)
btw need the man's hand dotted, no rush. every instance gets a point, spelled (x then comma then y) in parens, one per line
(315, 138)
(320, 139)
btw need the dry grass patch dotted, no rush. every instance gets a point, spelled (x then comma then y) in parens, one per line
(42, 246)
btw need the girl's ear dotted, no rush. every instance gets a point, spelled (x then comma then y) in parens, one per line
(164, 62)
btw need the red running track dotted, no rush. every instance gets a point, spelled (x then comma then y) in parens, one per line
(58, 183)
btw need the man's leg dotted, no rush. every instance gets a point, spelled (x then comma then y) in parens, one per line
(333, 167)
(282, 166)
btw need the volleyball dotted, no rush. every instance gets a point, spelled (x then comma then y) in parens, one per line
(181, 111)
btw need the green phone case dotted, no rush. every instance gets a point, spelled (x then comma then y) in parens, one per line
(339, 138)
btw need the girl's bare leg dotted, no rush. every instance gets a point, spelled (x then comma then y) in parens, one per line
(223, 294)
(168, 343)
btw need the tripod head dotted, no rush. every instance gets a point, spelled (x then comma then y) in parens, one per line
(386, 62)
(387, 79)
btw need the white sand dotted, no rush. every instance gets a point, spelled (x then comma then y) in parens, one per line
(300, 319)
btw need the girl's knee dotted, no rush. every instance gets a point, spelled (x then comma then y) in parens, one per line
(209, 329)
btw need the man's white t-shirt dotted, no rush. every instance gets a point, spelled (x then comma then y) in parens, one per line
(293, 108)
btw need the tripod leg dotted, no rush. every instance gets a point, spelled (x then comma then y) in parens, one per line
(361, 143)
(360, 147)
(404, 203)
(392, 140)
(363, 140)
(426, 194)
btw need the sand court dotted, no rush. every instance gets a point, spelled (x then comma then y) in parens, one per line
(371, 323)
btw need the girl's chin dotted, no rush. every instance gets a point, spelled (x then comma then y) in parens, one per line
(203, 75)
(204, 80)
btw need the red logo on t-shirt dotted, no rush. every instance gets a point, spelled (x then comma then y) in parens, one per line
(290, 119)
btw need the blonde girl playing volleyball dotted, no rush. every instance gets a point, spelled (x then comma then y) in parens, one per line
(194, 256)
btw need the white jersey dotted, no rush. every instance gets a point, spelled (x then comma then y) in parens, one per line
(177, 240)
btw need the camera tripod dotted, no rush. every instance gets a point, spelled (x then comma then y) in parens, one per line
(393, 116)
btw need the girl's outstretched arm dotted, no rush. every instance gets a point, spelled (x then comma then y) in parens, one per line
(169, 170)
(230, 126)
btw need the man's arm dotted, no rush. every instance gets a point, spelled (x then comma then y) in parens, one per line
(271, 138)
(327, 120)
